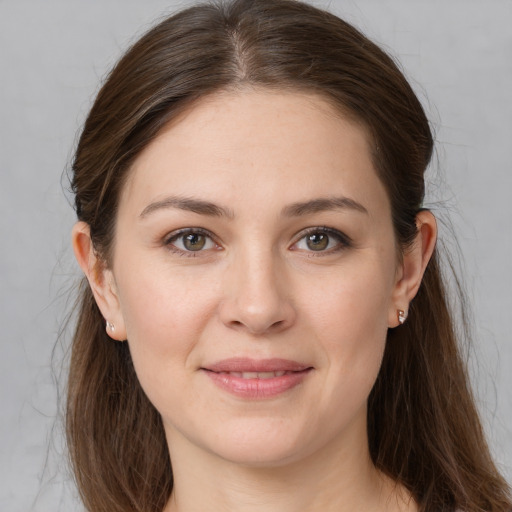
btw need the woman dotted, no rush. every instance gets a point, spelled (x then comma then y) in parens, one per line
(263, 325)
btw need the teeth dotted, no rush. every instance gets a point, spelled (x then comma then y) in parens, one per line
(256, 375)
(265, 375)
(250, 375)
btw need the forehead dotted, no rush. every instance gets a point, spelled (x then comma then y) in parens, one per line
(239, 143)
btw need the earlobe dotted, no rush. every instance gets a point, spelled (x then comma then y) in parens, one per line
(414, 263)
(100, 279)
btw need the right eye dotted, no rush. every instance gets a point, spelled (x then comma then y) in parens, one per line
(322, 240)
(190, 241)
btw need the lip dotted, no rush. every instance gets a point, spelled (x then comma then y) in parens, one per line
(228, 374)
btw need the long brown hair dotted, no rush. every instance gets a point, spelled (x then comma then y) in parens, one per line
(423, 426)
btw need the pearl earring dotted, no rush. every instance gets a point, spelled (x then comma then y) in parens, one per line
(402, 316)
(110, 327)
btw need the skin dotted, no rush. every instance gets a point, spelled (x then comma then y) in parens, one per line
(257, 289)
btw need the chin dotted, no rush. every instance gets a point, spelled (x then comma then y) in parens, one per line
(261, 455)
(264, 443)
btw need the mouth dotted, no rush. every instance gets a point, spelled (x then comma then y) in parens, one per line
(245, 365)
(257, 379)
(255, 375)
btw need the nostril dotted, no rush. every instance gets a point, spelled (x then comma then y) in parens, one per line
(256, 315)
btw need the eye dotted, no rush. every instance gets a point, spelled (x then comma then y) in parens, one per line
(322, 240)
(191, 240)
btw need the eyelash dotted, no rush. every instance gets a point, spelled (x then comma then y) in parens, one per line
(181, 234)
(343, 241)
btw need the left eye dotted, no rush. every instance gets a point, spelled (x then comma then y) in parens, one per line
(321, 241)
(191, 241)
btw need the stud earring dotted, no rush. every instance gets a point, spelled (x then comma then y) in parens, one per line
(402, 316)
(110, 327)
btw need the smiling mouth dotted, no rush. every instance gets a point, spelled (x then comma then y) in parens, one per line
(245, 365)
(256, 375)
(257, 379)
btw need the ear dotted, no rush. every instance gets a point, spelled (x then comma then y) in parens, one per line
(413, 265)
(101, 280)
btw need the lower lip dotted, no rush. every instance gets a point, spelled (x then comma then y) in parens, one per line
(257, 388)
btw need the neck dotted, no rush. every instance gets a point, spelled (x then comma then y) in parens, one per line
(331, 479)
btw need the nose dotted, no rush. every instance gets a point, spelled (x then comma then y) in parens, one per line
(257, 298)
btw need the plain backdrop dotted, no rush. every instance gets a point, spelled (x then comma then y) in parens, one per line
(53, 55)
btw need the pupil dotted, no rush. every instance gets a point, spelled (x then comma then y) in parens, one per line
(194, 242)
(317, 241)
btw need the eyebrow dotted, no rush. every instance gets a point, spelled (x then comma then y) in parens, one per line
(213, 210)
(185, 203)
(321, 205)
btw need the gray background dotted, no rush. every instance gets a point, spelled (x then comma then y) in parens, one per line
(458, 55)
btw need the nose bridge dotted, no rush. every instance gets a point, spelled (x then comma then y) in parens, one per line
(256, 298)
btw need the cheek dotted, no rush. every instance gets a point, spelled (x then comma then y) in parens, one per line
(352, 300)
(349, 317)
(164, 316)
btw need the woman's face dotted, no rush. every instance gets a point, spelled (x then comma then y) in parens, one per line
(256, 274)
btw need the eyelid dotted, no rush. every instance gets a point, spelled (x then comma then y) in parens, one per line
(174, 235)
(343, 239)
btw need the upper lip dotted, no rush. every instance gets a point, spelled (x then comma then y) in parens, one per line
(243, 364)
